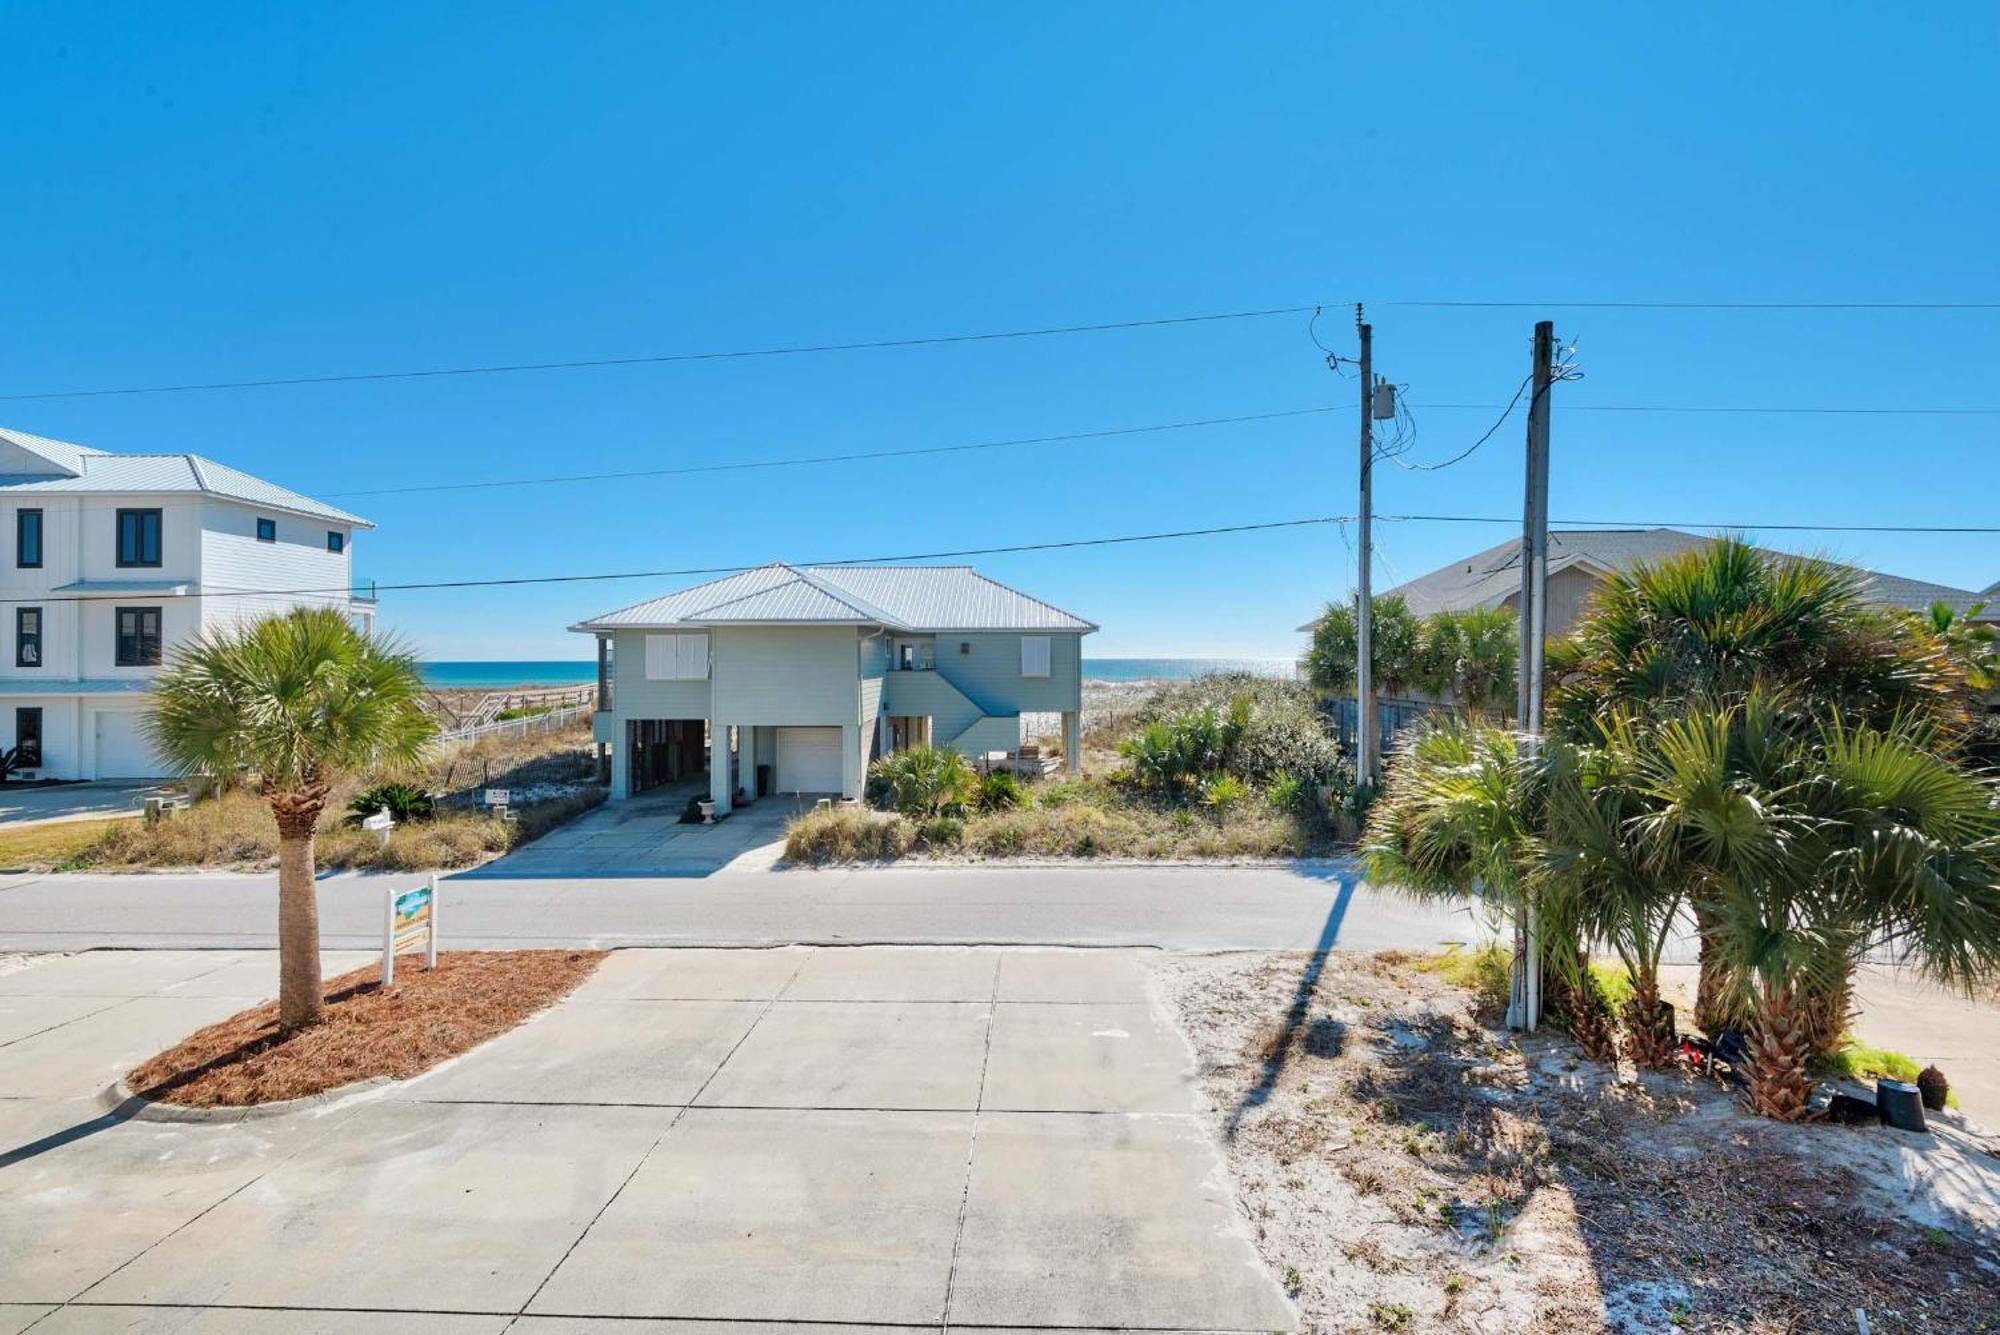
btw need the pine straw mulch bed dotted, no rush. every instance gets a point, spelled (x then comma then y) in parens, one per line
(1404, 1165)
(429, 1015)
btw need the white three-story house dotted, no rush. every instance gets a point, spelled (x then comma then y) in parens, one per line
(108, 560)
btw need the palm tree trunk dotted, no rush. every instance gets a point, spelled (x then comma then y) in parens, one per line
(1649, 1025)
(1779, 1085)
(1590, 1020)
(1826, 1011)
(1715, 1008)
(301, 1000)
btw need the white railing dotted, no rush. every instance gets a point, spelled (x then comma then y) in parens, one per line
(519, 727)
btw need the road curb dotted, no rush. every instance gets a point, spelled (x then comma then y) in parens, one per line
(119, 1098)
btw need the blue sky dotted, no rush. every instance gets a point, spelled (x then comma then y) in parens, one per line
(237, 191)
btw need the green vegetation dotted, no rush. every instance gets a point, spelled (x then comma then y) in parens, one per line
(1485, 972)
(300, 699)
(512, 712)
(1464, 657)
(1855, 1060)
(405, 802)
(1229, 766)
(1743, 735)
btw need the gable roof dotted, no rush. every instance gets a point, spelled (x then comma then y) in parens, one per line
(911, 598)
(1487, 579)
(36, 464)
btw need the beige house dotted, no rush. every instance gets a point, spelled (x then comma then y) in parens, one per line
(1581, 559)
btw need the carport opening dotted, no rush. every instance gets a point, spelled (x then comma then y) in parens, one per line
(666, 750)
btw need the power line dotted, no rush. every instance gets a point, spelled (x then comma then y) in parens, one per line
(1711, 305)
(753, 464)
(1742, 408)
(661, 359)
(1688, 523)
(1012, 548)
(602, 577)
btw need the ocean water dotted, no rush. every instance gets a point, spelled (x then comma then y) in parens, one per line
(513, 674)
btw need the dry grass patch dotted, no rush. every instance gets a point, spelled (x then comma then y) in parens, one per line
(429, 1015)
(52, 846)
(1406, 1164)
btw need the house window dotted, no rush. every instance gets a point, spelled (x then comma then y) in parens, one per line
(28, 539)
(138, 537)
(27, 637)
(267, 530)
(138, 637)
(677, 657)
(607, 672)
(28, 737)
(336, 541)
(1034, 655)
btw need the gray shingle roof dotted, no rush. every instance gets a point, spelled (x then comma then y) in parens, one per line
(71, 469)
(1488, 578)
(915, 598)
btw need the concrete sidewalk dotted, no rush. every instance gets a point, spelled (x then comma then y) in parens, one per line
(889, 1137)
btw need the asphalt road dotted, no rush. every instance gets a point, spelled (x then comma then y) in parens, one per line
(1307, 906)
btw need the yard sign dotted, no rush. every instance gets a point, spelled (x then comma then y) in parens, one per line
(409, 916)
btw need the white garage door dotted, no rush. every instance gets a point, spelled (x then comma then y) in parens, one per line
(809, 760)
(122, 752)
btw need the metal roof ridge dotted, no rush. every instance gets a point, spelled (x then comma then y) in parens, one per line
(848, 596)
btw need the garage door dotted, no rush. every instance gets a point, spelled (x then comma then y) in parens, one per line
(122, 752)
(809, 760)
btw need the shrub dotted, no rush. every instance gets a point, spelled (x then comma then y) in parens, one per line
(941, 832)
(405, 802)
(1288, 793)
(925, 781)
(846, 834)
(1223, 792)
(1001, 791)
(1004, 836)
(512, 712)
(1176, 752)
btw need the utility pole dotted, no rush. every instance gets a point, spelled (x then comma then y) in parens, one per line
(1364, 621)
(1524, 1009)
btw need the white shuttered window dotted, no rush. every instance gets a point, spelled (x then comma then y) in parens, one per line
(1034, 655)
(676, 657)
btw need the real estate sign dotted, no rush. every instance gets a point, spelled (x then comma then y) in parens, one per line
(409, 917)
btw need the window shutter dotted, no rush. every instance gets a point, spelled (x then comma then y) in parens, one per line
(694, 657)
(660, 665)
(1034, 655)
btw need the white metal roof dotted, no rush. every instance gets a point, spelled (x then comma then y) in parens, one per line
(913, 598)
(69, 469)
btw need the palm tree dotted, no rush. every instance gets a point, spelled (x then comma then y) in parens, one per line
(1718, 622)
(1811, 839)
(1613, 874)
(1331, 658)
(1469, 658)
(1461, 814)
(298, 698)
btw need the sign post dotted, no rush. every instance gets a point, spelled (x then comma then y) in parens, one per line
(409, 916)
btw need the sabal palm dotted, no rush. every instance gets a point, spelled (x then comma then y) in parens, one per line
(1395, 641)
(1610, 873)
(1470, 657)
(297, 699)
(1814, 840)
(1722, 620)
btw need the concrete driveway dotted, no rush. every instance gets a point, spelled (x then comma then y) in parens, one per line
(21, 805)
(890, 1137)
(644, 837)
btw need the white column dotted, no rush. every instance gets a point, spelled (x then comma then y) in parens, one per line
(1072, 742)
(719, 786)
(746, 770)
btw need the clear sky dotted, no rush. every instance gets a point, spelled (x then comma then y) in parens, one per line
(221, 192)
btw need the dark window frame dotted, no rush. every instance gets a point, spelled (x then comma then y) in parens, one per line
(21, 518)
(23, 637)
(336, 541)
(138, 657)
(267, 529)
(28, 751)
(138, 549)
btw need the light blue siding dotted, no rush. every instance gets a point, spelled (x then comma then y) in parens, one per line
(633, 696)
(986, 666)
(786, 675)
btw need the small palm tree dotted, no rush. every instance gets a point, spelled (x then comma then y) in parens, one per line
(1469, 658)
(1331, 659)
(1813, 841)
(298, 699)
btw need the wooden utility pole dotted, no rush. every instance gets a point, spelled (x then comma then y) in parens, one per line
(1524, 1009)
(1364, 616)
